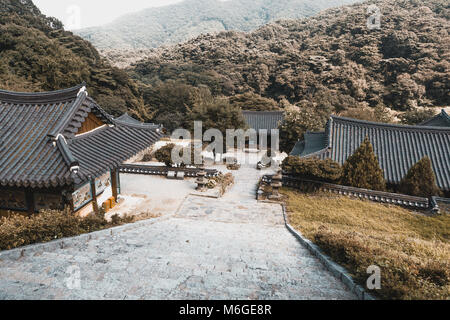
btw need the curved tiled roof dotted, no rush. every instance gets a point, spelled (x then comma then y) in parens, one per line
(109, 147)
(441, 120)
(41, 97)
(313, 143)
(126, 119)
(263, 120)
(38, 143)
(398, 147)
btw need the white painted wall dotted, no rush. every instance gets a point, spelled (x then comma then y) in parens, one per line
(104, 196)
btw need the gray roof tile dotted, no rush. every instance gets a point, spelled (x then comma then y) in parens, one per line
(38, 146)
(126, 119)
(397, 147)
(263, 120)
(313, 142)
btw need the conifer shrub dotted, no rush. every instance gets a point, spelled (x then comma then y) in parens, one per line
(362, 169)
(147, 157)
(420, 180)
(313, 169)
(164, 155)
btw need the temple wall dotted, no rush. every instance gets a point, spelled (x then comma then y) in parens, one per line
(104, 196)
(85, 211)
(83, 197)
(29, 201)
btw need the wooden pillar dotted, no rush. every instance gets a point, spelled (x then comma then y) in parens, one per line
(114, 183)
(94, 196)
(69, 199)
(30, 202)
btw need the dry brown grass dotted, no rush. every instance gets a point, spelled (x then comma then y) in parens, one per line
(18, 230)
(145, 216)
(413, 250)
(445, 208)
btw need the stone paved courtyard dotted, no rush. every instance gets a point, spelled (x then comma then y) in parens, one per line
(229, 248)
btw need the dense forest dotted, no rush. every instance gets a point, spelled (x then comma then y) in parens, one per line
(154, 27)
(37, 54)
(331, 62)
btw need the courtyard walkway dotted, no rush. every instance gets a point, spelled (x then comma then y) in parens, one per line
(229, 248)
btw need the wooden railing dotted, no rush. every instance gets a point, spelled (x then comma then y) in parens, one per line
(163, 171)
(372, 195)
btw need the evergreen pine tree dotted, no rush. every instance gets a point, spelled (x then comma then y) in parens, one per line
(420, 180)
(362, 169)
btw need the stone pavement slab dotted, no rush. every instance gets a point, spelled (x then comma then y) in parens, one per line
(229, 248)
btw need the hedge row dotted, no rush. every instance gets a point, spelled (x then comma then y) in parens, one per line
(362, 170)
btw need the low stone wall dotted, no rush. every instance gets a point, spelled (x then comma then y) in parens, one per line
(337, 270)
(442, 203)
(372, 195)
(163, 171)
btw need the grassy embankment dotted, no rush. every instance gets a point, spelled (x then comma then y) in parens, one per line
(19, 230)
(412, 250)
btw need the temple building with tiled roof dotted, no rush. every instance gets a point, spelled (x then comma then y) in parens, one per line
(128, 120)
(441, 120)
(263, 120)
(398, 147)
(62, 149)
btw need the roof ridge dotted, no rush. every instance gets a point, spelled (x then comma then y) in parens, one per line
(68, 115)
(390, 125)
(40, 97)
(85, 100)
(127, 120)
(147, 126)
(102, 111)
(72, 163)
(88, 134)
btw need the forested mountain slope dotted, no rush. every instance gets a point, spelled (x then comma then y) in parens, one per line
(37, 54)
(332, 58)
(179, 22)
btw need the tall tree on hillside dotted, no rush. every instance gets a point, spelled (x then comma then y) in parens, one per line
(417, 116)
(253, 102)
(330, 58)
(420, 180)
(169, 102)
(362, 169)
(216, 113)
(297, 122)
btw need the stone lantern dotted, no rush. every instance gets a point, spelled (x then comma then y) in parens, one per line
(276, 184)
(201, 181)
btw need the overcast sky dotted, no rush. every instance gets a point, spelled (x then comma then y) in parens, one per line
(93, 12)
